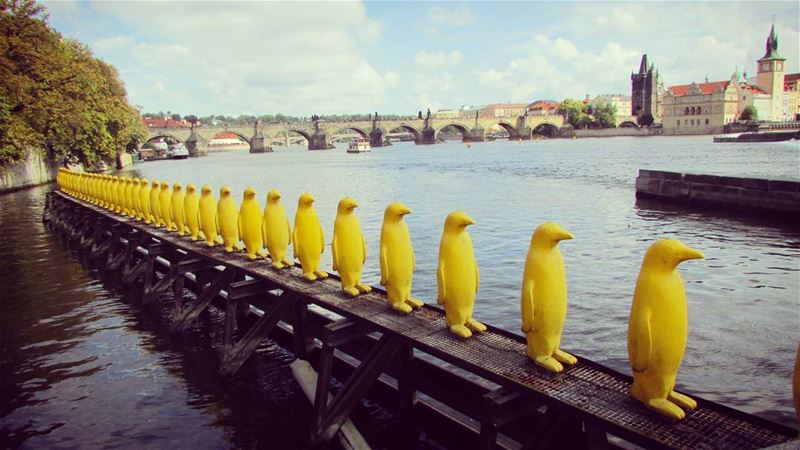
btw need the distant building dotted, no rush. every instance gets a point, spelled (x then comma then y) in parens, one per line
(468, 111)
(155, 122)
(647, 91)
(446, 114)
(544, 108)
(706, 107)
(503, 110)
(622, 102)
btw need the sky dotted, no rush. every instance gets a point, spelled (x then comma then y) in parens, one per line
(302, 58)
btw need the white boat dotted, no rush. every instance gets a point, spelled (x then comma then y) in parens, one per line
(359, 145)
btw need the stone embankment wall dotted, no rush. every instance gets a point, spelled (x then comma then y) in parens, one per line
(35, 170)
(614, 132)
(780, 198)
(688, 131)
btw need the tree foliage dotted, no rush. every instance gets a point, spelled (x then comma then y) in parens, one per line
(749, 113)
(606, 115)
(55, 96)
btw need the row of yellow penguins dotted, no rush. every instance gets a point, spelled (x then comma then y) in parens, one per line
(657, 329)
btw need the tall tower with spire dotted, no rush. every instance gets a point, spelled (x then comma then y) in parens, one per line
(646, 92)
(771, 74)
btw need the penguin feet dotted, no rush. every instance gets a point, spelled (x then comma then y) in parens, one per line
(252, 256)
(474, 325)
(684, 401)
(238, 247)
(310, 276)
(666, 407)
(181, 233)
(278, 265)
(261, 254)
(402, 307)
(548, 363)
(460, 331)
(414, 303)
(352, 291)
(229, 249)
(363, 287)
(564, 357)
(321, 274)
(288, 262)
(211, 243)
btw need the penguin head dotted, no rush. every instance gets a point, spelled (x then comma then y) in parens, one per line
(206, 189)
(224, 191)
(549, 234)
(396, 211)
(156, 183)
(666, 254)
(190, 188)
(305, 200)
(249, 193)
(274, 196)
(164, 185)
(128, 180)
(458, 220)
(177, 187)
(144, 182)
(347, 205)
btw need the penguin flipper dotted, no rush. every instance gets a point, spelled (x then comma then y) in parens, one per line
(363, 249)
(322, 239)
(477, 277)
(640, 343)
(334, 254)
(527, 306)
(294, 242)
(384, 266)
(239, 224)
(440, 281)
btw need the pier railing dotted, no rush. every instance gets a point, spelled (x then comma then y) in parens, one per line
(485, 387)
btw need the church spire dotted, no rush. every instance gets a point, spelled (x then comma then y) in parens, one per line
(772, 45)
(643, 64)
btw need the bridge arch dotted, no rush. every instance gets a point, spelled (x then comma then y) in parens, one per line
(360, 131)
(235, 133)
(408, 128)
(512, 132)
(163, 136)
(305, 134)
(546, 129)
(465, 133)
(628, 124)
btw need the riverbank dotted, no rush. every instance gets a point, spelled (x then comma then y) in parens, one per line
(35, 170)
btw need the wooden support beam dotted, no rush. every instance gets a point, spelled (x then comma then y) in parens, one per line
(501, 407)
(354, 388)
(236, 355)
(183, 318)
(303, 341)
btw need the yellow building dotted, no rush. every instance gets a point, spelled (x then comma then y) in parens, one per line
(703, 108)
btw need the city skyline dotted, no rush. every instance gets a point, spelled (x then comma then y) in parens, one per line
(304, 58)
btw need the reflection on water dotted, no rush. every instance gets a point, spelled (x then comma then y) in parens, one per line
(80, 366)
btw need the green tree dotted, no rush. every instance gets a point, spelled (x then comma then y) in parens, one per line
(576, 113)
(749, 113)
(606, 115)
(55, 96)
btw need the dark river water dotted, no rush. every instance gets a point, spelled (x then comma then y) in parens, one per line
(82, 367)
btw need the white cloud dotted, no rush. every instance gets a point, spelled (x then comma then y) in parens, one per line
(253, 58)
(458, 17)
(437, 60)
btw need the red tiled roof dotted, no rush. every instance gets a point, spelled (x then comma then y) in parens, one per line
(789, 79)
(544, 105)
(705, 88)
(753, 89)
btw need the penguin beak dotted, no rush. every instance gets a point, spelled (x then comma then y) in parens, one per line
(404, 210)
(469, 221)
(564, 235)
(690, 253)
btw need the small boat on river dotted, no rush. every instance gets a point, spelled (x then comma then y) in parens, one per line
(359, 145)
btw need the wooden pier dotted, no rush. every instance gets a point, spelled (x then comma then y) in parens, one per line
(484, 388)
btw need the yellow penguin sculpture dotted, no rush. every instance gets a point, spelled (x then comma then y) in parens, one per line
(308, 239)
(164, 213)
(250, 226)
(397, 258)
(135, 197)
(276, 231)
(228, 220)
(457, 275)
(144, 200)
(116, 189)
(191, 211)
(544, 298)
(348, 249)
(127, 191)
(207, 213)
(155, 189)
(176, 208)
(657, 330)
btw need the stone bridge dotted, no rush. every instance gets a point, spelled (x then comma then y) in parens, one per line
(320, 134)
